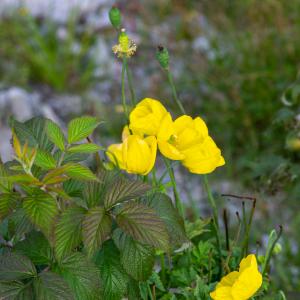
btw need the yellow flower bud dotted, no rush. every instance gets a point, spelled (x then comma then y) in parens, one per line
(147, 116)
(239, 285)
(135, 155)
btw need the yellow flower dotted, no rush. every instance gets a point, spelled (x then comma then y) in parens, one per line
(240, 285)
(126, 46)
(147, 116)
(135, 155)
(187, 139)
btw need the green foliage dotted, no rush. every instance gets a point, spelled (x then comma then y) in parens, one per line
(81, 128)
(43, 56)
(56, 135)
(69, 232)
(96, 228)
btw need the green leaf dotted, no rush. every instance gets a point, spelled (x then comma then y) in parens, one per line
(8, 203)
(33, 131)
(11, 290)
(36, 247)
(82, 276)
(50, 286)
(77, 171)
(124, 190)
(21, 222)
(113, 277)
(45, 160)
(85, 148)
(55, 135)
(74, 187)
(68, 230)
(164, 208)
(80, 128)
(15, 267)
(143, 224)
(95, 229)
(94, 192)
(41, 209)
(5, 184)
(136, 259)
(133, 290)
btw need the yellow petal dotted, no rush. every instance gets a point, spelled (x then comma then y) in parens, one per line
(229, 279)
(137, 155)
(203, 158)
(222, 293)
(188, 138)
(125, 133)
(182, 123)
(201, 127)
(248, 283)
(146, 117)
(152, 143)
(115, 155)
(166, 129)
(249, 261)
(170, 151)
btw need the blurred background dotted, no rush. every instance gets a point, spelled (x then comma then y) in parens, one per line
(235, 63)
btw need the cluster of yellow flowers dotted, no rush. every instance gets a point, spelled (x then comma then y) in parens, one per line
(151, 125)
(239, 285)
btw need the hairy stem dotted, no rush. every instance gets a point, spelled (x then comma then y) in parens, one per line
(178, 202)
(130, 84)
(123, 88)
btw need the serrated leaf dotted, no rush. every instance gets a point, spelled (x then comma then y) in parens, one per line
(34, 132)
(113, 277)
(41, 209)
(36, 247)
(155, 279)
(77, 171)
(68, 230)
(55, 134)
(80, 128)
(74, 188)
(85, 148)
(24, 179)
(137, 259)
(45, 160)
(50, 286)
(15, 267)
(94, 192)
(164, 208)
(82, 276)
(143, 224)
(8, 202)
(10, 290)
(21, 222)
(133, 290)
(123, 190)
(5, 185)
(95, 229)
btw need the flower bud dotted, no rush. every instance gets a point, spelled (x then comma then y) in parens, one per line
(277, 248)
(115, 17)
(162, 55)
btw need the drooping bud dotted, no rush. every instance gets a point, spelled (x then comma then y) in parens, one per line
(162, 55)
(115, 17)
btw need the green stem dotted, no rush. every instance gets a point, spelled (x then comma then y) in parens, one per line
(174, 92)
(215, 220)
(211, 200)
(163, 267)
(129, 79)
(123, 88)
(178, 203)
